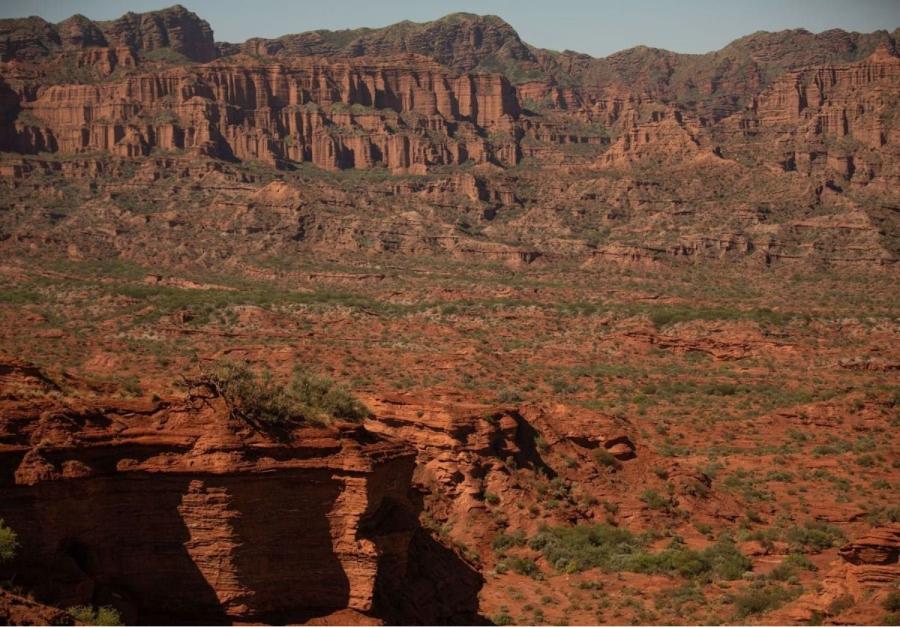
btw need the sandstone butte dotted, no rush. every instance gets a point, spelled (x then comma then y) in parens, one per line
(141, 160)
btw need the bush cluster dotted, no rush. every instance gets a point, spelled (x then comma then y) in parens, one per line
(261, 400)
(573, 549)
(105, 615)
(8, 542)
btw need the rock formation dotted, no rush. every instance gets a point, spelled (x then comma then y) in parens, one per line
(175, 512)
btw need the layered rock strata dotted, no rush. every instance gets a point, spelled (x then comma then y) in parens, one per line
(176, 513)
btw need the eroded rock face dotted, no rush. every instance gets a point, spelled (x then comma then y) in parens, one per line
(867, 570)
(829, 122)
(335, 115)
(175, 513)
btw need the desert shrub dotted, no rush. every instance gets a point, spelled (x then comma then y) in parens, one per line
(745, 483)
(798, 560)
(878, 515)
(783, 572)
(676, 598)
(132, 385)
(761, 598)
(510, 395)
(813, 536)
(105, 615)
(653, 499)
(519, 565)
(721, 560)
(573, 549)
(504, 541)
(259, 399)
(787, 569)
(9, 542)
(843, 602)
(726, 561)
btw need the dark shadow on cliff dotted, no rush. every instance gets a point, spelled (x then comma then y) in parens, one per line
(526, 440)
(119, 542)
(286, 554)
(431, 584)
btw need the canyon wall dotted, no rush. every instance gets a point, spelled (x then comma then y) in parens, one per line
(400, 114)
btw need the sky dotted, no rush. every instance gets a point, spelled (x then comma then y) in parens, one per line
(596, 27)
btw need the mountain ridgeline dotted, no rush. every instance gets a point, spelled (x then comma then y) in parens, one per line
(811, 116)
(716, 82)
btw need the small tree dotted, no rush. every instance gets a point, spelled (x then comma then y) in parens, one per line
(259, 399)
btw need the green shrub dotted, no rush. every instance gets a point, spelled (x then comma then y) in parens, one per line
(653, 499)
(510, 395)
(813, 536)
(9, 542)
(787, 569)
(519, 565)
(259, 399)
(105, 615)
(726, 562)
(574, 549)
(798, 560)
(504, 541)
(843, 602)
(758, 599)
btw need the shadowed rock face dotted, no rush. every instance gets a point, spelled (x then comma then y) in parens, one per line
(200, 520)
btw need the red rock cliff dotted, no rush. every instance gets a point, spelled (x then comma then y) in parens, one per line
(178, 513)
(339, 114)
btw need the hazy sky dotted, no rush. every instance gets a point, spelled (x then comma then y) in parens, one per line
(593, 26)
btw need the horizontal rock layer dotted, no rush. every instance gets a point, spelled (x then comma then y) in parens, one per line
(175, 513)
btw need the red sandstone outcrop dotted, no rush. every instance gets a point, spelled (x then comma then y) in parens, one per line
(399, 113)
(868, 570)
(472, 457)
(171, 511)
(665, 135)
(831, 121)
(610, 155)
